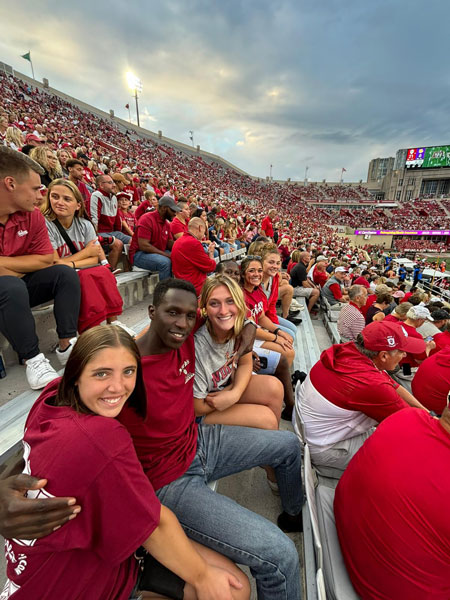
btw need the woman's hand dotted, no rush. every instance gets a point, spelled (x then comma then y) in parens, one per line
(286, 336)
(221, 400)
(93, 248)
(216, 584)
(283, 343)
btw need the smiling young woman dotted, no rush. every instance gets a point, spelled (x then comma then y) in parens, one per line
(226, 393)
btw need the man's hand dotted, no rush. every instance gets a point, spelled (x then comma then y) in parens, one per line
(216, 584)
(27, 518)
(256, 362)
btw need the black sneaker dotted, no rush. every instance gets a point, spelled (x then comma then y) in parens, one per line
(298, 376)
(294, 320)
(289, 523)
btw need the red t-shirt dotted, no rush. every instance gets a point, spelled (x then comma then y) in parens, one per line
(391, 509)
(391, 319)
(335, 289)
(25, 233)
(178, 227)
(166, 443)
(128, 217)
(370, 300)
(267, 227)
(406, 297)
(256, 302)
(431, 383)
(290, 266)
(142, 209)
(271, 311)
(320, 277)
(152, 228)
(442, 340)
(190, 261)
(92, 458)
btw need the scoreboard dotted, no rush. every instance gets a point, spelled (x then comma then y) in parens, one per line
(428, 158)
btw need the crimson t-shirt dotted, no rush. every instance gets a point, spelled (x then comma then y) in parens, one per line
(256, 302)
(167, 441)
(391, 510)
(178, 227)
(267, 227)
(91, 458)
(152, 228)
(431, 383)
(25, 233)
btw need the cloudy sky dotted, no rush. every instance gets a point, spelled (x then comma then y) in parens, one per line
(293, 83)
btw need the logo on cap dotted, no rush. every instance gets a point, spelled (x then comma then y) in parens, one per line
(390, 340)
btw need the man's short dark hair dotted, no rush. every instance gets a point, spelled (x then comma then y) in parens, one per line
(171, 284)
(72, 162)
(16, 164)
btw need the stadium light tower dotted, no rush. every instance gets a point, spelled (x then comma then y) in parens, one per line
(135, 84)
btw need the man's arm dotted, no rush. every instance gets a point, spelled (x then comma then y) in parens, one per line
(27, 518)
(145, 246)
(26, 264)
(409, 398)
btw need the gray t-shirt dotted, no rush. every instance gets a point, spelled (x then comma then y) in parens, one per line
(80, 232)
(213, 363)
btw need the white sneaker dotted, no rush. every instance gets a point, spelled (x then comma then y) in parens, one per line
(296, 305)
(39, 372)
(63, 356)
(123, 326)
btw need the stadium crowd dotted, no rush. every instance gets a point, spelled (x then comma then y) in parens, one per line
(78, 198)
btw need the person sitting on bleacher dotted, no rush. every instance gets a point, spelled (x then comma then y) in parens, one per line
(347, 392)
(332, 290)
(391, 510)
(27, 277)
(304, 287)
(103, 210)
(152, 241)
(351, 321)
(189, 260)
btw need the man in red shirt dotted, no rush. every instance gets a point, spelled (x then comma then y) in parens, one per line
(319, 271)
(76, 170)
(267, 224)
(391, 510)
(27, 277)
(189, 260)
(347, 392)
(152, 240)
(180, 222)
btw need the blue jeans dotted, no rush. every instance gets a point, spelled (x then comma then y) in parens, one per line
(123, 237)
(223, 525)
(154, 262)
(287, 326)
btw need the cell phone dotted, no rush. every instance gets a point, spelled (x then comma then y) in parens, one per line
(429, 338)
(406, 367)
(263, 362)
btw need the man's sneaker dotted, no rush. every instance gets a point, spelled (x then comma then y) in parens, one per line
(63, 356)
(123, 326)
(290, 523)
(294, 320)
(295, 305)
(39, 372)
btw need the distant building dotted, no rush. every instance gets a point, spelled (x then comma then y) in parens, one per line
(379, 168)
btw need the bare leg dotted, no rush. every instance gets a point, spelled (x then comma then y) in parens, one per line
(313, 298)
(285, 293)
(115, 252)
(283, 373)
(288, 354)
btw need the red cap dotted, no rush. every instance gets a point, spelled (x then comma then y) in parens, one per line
(380, 336)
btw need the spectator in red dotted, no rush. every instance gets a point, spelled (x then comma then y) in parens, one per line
(431, 383)
(180, 222)
(152, 241)
(127, 218)
(363, 279)
(75, 169)
(189, 260)
(391, 510)
(105, 218)
(149, 204)
(347, 392)
(351, 320)
(408, 294)
(26, 275)
(319, 271)
(267, 224)
(332, 290)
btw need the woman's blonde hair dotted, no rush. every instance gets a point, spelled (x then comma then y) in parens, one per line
(14, 135)
(47, 209)
(266, 249)
(235, 292)
(39, 154)
(295, 256)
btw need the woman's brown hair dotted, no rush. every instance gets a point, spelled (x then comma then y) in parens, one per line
(88, 344)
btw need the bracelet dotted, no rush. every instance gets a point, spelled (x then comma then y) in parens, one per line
(73, 264)
(277, 330)
(276, 336)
